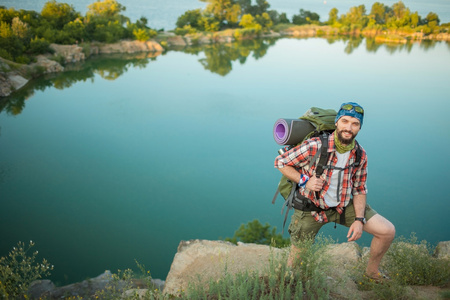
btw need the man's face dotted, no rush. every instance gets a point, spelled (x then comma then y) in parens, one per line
(347, 128)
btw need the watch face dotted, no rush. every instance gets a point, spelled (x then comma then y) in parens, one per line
(363, 220)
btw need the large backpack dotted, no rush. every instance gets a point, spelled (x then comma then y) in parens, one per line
(316, 122)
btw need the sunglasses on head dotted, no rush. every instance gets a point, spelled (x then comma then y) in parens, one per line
(358, 109)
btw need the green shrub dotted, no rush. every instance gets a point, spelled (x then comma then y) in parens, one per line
(407, 263)
(23, 59)
(247, 33)
(6, 55)
(411, 263)
(123, 280)
(141, 34)
(39, 46)
(18, 270)
(255, 232)
(187, 29)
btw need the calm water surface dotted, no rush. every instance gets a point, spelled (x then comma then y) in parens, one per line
(122, 160)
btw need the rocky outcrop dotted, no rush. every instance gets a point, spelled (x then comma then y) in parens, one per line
(127, 47)
(199, 261)
(47, 65)
(13, 79)
(70, 53)
(87, 289)
(443, 250)
(10, 83)
(16, 77)
(202, 260)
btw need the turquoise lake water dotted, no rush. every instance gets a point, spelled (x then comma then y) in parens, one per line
(121, 160)
(100, 172)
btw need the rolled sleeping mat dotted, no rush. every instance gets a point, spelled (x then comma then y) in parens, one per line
(291, 131)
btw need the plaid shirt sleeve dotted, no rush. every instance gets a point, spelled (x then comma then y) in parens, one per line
(299, 156)
(359, 177)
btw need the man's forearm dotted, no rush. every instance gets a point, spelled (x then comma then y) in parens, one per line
(291, 173)
(359, 203)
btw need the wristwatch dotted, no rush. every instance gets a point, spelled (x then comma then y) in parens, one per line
(362, 220)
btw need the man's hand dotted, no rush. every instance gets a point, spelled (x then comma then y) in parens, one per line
(355, 231)
(315, 184)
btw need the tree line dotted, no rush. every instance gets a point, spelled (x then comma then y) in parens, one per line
(25, 33)
(241, 14)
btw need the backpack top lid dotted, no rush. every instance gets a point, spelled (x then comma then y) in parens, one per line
(322, 119)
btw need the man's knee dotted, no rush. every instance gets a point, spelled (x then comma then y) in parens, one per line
(380, 227)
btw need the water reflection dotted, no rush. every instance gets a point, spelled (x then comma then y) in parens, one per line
(218, 59)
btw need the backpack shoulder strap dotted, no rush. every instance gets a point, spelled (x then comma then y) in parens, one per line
(323, 155)
(358, 154)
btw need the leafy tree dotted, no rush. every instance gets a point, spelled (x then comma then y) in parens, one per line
(415, 20)
(19, 28)
(39, 46)
(208, 24)
(399, 9)
(333, 16)
(246, 6)
(305, 17)
(284, 18)
(58, 14)
(248, 21)
(76, 30)
(105, 23)
(378, 12)
(432, 20)
(5, 30)
(12, 39)
(261, 7)
(190, 17)
(226, 12)
(109, 9)
(255, 232)
(356, 16)
(264, 20)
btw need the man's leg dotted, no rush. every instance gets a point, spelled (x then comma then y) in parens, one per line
(303, 226)
(383, 233)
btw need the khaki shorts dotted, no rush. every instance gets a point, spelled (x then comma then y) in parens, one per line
(303, 225)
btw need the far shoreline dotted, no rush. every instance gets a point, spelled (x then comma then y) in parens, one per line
(14, 76)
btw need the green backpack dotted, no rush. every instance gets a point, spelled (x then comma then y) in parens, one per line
(315, 122)
(319, 121)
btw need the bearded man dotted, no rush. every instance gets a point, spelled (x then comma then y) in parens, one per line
(339, 194)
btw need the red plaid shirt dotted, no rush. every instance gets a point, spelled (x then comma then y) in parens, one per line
(354, 179)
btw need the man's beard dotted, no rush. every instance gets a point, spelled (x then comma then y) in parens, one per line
(343, 140)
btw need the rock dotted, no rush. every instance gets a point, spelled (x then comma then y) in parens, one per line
(443, 250)
(40, 288)
(49, 66)
(202, 260)
(45, 289)
(11, 83)
(154, 46)
(344, 255)
(70, 53)
(130, 47)
(136, 294)
(81, 289)
(177, 41)
(198, 261)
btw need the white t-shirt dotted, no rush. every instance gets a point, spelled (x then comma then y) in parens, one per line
(331, 198)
